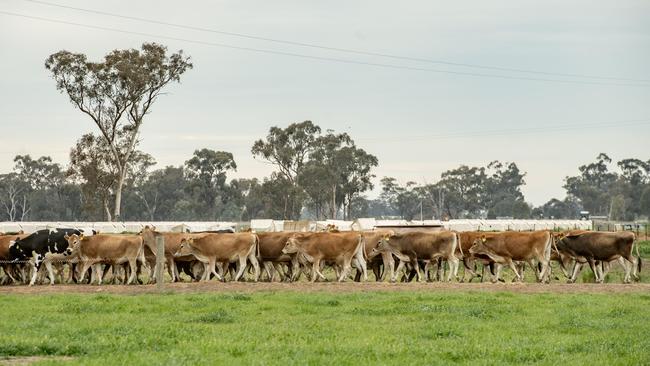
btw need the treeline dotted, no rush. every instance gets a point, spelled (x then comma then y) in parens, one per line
(319, 174)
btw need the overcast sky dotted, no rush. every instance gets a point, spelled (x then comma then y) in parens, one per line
(418, 123)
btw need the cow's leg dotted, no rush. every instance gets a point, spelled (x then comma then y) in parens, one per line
(212, 265)
(362, 263)
(133, 267)
(427, 268)
(468, 264)
(512, 266)
(8, 271)
(495, 277)
(535, 268)
(35, 269)
(284, 274)
(256, 266)
(376, 270)
(50, 271)
(99, 272)
(454, 263)
(269, 270)
(347, 266)
(389, 264)
(577, 267)
(627, 267)
(170, 268)
(592, 265)
(242, 267)
(314, 269)
(399, 269)
(635, 265)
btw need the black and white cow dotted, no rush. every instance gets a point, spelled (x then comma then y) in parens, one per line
(42, 246)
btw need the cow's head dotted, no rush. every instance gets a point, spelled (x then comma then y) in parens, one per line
(478, 246)
(291, 246)
(185, 248)
(74, 243)
(383, 244)
(16, 251)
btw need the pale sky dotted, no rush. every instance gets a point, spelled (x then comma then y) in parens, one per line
(418, 123)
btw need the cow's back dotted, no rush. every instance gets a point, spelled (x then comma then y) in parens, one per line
(271, 244)
(330, 246)
(601, 245)
(104, 246)
(426, 244)
(223, 245)
(520, 245)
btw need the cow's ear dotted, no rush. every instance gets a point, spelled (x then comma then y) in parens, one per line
(483, 238)
(66, 237)
(82, 237)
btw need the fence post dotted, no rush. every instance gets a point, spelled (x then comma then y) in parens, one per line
(160, 261)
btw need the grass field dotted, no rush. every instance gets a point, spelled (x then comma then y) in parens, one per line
(324, 328)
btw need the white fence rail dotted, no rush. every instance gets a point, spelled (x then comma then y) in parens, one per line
(275, 225)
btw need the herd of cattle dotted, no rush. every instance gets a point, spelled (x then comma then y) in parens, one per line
(70, 255)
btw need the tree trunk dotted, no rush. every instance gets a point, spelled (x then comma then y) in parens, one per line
(118, 195)
(333, 202)
(107, 210)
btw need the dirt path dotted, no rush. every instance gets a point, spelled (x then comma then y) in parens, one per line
(332, 287)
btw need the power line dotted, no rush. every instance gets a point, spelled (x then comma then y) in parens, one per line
(337, 49)
(319, 58)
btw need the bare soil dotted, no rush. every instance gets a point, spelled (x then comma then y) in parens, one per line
(332, 287)
(28, 360)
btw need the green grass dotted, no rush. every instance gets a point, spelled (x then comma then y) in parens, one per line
(321, 328)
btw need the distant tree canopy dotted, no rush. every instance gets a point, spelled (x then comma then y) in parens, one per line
(330, 182)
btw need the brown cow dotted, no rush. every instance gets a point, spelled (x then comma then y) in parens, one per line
(271, 245)
(100, 249)
(172, 244)
(426, 246)
(338, 248)
(510, 246)
(596, 246)
(211, 249)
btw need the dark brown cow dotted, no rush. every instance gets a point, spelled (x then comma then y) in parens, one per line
(211, 249)
(271, 245)
(510, 246)
(337, 248)
(594, 246)
(92, 251)
(426, 246)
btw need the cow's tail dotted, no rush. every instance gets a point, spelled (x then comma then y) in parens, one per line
(362, 244)
(458, 244)
(550, 237)
(141, 256)
(638, 257)
(256, 240)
